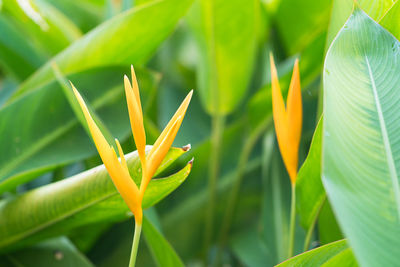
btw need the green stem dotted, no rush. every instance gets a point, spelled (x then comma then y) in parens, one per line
(135, 244)
(218, 123)
(312, 226)
(307, 240)
(292, 221)
(233, 198)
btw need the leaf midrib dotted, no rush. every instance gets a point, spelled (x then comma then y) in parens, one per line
(386, 142)
(56, 219)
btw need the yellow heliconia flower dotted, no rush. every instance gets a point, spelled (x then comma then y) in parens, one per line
(288, 121)
(118, 170)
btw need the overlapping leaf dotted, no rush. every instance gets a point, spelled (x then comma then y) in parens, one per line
(361, 148)
(84, 199)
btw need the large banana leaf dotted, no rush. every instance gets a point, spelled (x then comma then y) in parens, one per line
(361, 148)
(223, 29)
(331, 255)
(83, 199)
(128, 38)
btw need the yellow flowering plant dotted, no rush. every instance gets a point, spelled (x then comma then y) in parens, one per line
(117, 168)
(288, 124)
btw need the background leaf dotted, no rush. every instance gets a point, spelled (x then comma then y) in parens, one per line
(163, 253)
(103, 47)
(223, 73)
(57, 252)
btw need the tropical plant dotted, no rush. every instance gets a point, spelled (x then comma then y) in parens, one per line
(293, 126)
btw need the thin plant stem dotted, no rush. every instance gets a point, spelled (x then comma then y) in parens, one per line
(135, 244)
(311, 229)
(292, 221)
(233, 198)
(218, 124)
(307, 240)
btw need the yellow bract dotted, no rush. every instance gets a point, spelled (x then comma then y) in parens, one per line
(118, 170)
(288, 121)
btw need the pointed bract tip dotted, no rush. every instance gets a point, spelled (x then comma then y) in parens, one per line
(189, 95)
(187, 147)
(191, 162)
(74, 89)
(271, 56)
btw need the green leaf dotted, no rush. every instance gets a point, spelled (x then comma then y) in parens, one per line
(48, 29)
(163, 253)
(333, 254)
(83, 199)
(86, 14)
(57, 252)
(250, 249)
(342, 9)
(128, 38)
(310, 193)
(301, 22)
(16, 51)
(69, 95)
(361, 152)
(328, 228)
(226, 38)
(390, 21)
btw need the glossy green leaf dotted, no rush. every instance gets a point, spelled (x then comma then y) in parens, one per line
(16, 51)
(301, 22)
(310, 193)
(83, 199)
(333, 254)
(86, 14)
(361, 149)
(391, 20)
(43, 133)
(128, 38)
(49, 30)
(163, 253)
(328, 228)
(221, 31)
(342, 9)
(56, 252)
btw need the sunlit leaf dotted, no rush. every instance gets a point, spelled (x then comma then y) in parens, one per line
(361, 149)
(83, 199)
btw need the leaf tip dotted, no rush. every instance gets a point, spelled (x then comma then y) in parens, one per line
(187, 147)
